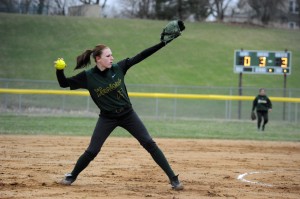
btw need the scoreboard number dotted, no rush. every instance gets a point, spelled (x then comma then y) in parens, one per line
(247, 61)
(262, 62)
(284, 62)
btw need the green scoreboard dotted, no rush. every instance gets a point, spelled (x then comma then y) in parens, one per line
(262, 62)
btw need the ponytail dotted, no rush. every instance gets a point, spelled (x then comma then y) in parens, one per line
(84, 60)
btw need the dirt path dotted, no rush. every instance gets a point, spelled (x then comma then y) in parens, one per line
(31, 166)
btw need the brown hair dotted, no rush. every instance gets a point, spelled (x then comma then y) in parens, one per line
(262, 89)
(84, 60)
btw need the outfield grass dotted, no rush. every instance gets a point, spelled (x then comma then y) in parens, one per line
(202, 56)
(205, 129)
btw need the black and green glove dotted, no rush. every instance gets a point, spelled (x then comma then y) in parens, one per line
(171, 31)
(253, 116)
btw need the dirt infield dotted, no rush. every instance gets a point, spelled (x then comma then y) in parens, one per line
(31, 166)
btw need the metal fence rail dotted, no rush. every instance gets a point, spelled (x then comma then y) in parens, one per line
(153, 101)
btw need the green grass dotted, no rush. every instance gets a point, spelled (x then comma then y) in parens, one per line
(202, 56)
(83, 126)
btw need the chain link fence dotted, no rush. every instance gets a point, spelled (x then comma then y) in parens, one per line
(154, 108)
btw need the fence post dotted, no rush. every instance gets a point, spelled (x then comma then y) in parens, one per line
(175, 106)
(230, 104)
(240, 94)
(289, 109)
(88, 104)
(296, 112)
(156, 108)
(284, 95)
(63, 102)
(5, 98)
(20, 102)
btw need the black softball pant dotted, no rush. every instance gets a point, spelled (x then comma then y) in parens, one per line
(132, 123)
(262, 115)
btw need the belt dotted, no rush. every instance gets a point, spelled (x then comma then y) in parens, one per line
(119, 110)
(116, 111)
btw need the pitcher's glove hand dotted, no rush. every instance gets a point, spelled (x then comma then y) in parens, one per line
(60, 64)
(253, 116)
(171, 31)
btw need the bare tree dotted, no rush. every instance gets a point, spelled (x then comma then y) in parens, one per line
(86, 1)
(96, 2)
(137, 8)
(218, 8)
(180, 9)
(166, 9)
(41, 5)
(9, 5)
(60, 7)
(144, 9)
(298, 6)
(265, 9)
(103, 5)
(25, 6)
(199, 9)
(129, 8)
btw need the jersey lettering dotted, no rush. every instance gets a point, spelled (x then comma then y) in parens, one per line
(103, 91)
(260, 101)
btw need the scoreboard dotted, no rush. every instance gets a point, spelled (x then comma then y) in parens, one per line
(262, 62)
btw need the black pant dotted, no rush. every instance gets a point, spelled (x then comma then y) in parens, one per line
(105, 125)
(262, 115)
(130, 121)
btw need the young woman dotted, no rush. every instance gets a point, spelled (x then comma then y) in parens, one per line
(105, 83)
(263, 105)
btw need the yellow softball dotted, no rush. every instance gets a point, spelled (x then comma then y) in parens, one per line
(60, 64)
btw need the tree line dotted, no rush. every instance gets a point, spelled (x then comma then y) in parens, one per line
(196, 10)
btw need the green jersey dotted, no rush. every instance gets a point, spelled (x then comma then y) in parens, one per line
(107, 88)
(261, 103)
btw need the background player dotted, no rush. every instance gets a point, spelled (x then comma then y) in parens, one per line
(263, 105)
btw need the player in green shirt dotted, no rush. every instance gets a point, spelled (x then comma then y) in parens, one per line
(105, 83)
(263, 105)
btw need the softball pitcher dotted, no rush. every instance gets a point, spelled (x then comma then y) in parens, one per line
(105, 83)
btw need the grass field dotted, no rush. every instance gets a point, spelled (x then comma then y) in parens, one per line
(218, 129)
(202, 56)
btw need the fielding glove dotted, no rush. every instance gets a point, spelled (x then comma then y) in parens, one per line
(171, 31)
(60, 64)
(253, 116)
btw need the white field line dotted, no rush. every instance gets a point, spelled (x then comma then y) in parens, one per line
(241, 177)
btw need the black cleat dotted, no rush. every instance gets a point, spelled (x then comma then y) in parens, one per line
(68, 179)
(175, 183)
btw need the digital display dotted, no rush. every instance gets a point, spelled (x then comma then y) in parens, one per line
(262, 62)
